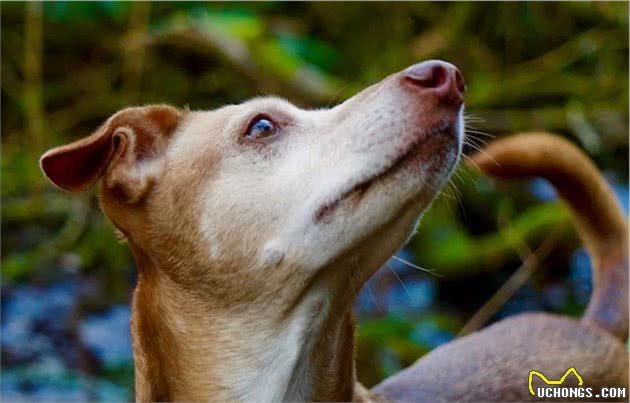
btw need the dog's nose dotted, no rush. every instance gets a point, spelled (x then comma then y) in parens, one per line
(438, 77)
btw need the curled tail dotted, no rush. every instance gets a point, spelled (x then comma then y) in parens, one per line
(598, 217)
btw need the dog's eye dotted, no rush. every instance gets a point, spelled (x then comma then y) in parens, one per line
(260, 127)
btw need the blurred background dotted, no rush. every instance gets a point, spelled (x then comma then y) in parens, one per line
(489, 249)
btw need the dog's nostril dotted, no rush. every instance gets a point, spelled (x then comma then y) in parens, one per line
(427, 75)
(441, 79)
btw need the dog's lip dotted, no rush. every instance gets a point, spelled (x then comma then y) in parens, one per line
(358, 190)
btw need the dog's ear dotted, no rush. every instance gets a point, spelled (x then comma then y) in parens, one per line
(125, 151)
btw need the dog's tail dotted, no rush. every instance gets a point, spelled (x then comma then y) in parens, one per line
(599, 219)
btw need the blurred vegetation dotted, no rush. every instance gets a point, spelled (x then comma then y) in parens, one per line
(67, 66)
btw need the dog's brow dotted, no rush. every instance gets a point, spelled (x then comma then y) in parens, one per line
(274, 103)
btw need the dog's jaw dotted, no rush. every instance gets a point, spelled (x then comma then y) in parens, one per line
(409, 154)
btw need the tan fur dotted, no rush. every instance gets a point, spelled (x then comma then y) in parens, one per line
(250, 252)
(493, 364)
(598, 216)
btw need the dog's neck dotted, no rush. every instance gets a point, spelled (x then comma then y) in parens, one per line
(187, 350)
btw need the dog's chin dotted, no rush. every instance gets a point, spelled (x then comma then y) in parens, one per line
(416, 192)
(429, 161)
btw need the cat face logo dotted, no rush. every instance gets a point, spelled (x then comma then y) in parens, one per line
(571, 370)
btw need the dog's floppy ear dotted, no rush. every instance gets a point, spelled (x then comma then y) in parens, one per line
(125, 150)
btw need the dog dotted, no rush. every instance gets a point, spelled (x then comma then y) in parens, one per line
(254, 226)
(494, 363)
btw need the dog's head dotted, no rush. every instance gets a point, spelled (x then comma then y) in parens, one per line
(241, 201)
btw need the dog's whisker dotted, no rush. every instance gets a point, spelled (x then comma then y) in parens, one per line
(441, 192)
(474, 145)
(473, 162)
(413, 302)
(415, 266)
(367, 286)
(454, 191)
(470, 129)
(475, 140)
(468, 120)
(458, 199)
(458, 193)
(482, 151)
(458, 174)
(464, 175)
(461, 173)
(472, 116)
(475, 134)
(446, 194)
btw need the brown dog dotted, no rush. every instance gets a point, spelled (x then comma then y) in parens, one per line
(493, 364)
(254, 226)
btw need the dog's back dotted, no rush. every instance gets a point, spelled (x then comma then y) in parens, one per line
(494, 364)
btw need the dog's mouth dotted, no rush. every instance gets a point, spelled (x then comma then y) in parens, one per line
(411, 152)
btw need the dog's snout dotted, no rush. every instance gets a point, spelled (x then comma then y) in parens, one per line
(439, 78)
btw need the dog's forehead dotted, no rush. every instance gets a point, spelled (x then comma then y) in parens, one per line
(269, 102)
